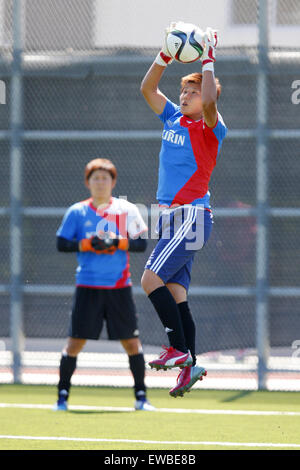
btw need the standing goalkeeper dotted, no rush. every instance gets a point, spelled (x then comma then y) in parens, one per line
(102, 230)
(191, 141)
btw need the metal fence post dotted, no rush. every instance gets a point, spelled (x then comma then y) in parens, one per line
(16, 128)
(262, 324)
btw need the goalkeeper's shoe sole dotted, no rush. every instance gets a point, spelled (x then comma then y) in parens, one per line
(186, 379)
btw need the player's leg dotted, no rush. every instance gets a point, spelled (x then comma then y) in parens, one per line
(190, 374)
(189, 327)
(166, 308)
(122, 324)
(179, 292)
(136, 359)
(85, 324)
(67, 368)
(178, 285)
(171, 253)
(135, 354)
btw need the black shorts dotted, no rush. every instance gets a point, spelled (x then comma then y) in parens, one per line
(92, 306)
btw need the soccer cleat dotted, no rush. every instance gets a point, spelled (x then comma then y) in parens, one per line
(170, 358)
(143, 405)
(61, 404)
(186, 379)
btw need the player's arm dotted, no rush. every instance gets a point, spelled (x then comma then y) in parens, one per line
(209, 88)
(64, 245)
(149, 87)
(209, 99)
(97, 245)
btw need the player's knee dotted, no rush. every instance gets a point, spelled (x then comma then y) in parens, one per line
(144, 281)
(132, 346)
(74, 346)
(178, 292)
(150, 281)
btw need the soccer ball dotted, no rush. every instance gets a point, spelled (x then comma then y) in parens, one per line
(185, 42)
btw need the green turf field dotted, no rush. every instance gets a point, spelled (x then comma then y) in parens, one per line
(205, 419)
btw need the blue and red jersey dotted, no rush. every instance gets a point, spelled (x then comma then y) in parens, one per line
(84, 220)
(187, 157)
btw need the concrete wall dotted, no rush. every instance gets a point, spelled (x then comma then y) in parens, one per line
(140, 23)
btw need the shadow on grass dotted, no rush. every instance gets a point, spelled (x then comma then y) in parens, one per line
(237, 396)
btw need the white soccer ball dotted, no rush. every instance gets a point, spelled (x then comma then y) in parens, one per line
(185, 42)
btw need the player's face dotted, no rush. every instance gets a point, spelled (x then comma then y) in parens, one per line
(101, 185)
(190, 100)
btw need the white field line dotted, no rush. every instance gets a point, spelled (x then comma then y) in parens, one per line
(142, 441)
(158, 410)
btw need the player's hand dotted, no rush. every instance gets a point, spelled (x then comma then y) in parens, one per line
(99, 245)
(211, 42)
(104, 243)
(86, 245)
(164, 57)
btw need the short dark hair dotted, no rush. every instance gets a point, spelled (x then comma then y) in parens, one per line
(197, 78)
(100, 164)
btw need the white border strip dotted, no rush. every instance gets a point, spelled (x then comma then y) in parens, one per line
(142, 441)
(218, 383)
(159, 410)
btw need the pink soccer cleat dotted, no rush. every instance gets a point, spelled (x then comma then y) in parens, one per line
(170, 358)
(186, 379)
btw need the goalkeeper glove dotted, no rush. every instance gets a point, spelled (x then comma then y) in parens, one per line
(104, 244)
(164, 58)
(209, 55)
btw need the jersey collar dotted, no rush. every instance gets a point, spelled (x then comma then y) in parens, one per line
(102, 210)
(185, 121)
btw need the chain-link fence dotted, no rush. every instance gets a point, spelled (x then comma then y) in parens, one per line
(71, 72)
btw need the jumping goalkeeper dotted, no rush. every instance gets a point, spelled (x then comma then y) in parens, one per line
(191, 141)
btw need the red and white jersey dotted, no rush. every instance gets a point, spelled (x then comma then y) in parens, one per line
(84, 220)
(187, 157)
